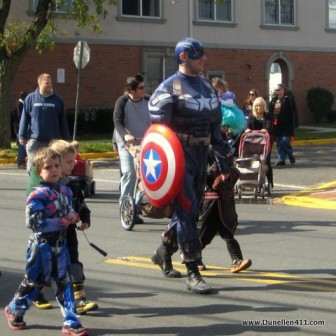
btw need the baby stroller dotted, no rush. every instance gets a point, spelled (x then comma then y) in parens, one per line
(83, 173)
(127, 205)
(253, 150)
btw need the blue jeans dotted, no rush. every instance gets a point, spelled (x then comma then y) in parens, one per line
(128, 179)
(22, 153)
(284, 147)
(32, 147)
(183, 224)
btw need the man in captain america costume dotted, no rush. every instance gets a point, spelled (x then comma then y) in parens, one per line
(189, 105)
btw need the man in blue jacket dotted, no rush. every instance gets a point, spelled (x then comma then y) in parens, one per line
(43, 118)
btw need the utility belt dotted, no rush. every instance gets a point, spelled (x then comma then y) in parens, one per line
(52, 238)
(190, 140)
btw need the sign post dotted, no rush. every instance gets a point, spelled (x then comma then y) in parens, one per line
(81, 58)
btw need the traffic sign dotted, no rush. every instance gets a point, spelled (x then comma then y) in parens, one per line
(81, 54)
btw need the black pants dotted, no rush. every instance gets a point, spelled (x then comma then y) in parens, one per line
(269, 173)
(220, 217)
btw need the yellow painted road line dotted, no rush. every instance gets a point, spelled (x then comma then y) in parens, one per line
(320, 197)
(269, 278)
(309, 202)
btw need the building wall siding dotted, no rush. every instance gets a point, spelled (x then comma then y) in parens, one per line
(102, 80)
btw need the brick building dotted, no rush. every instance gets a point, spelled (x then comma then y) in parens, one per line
(245, 41)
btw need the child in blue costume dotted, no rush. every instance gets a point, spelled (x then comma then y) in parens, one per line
(68, 152)
(48, 213)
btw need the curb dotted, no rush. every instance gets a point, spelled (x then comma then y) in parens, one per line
(321, 197)
(103, 155)
(88, 156)
(314, 142)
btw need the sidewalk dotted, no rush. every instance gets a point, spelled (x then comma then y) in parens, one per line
(321, 197)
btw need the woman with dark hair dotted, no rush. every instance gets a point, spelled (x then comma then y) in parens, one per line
(131, 120)
(248, 102)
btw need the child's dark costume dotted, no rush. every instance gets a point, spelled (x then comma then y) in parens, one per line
(219, 214)
(82, 306)
(47, 257)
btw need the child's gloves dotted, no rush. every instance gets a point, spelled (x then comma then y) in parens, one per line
(64, 222)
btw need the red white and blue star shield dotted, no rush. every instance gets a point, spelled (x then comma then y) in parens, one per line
(161, 164)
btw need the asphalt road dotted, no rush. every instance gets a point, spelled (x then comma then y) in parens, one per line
(289, 290)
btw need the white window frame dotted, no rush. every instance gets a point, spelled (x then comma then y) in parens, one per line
(279, 23)
(331, 6)
(214, 4)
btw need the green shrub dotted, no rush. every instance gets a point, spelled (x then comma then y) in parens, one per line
(319, 102)
(331, 116)
(92, 121)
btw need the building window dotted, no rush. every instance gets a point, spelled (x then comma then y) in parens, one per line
(215, 74)
(158, 66)
(214, 10)
(332, 14)
(279, 12)
(141, 8)
(63, 7)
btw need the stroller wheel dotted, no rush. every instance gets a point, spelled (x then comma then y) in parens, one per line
(93, 188)
(262, 192)
(269, 189)
(239, 193)
(86, 190)
(127, 213)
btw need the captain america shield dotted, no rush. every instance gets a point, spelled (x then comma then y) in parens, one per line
(161, 164)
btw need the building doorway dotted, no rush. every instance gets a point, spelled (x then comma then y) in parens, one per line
(279, 69)
(275, 77)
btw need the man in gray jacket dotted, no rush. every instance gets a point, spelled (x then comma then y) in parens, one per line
(131, 120)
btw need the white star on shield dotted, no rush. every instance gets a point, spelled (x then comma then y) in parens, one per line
(151, 163)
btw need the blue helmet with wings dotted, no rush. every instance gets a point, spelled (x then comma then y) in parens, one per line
(192, 47)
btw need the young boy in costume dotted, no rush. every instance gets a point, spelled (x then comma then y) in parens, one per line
(49, 213)
(219, 213)
(68, 152)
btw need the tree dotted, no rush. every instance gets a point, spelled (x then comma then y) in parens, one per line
(320, 101)
(17, 39)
